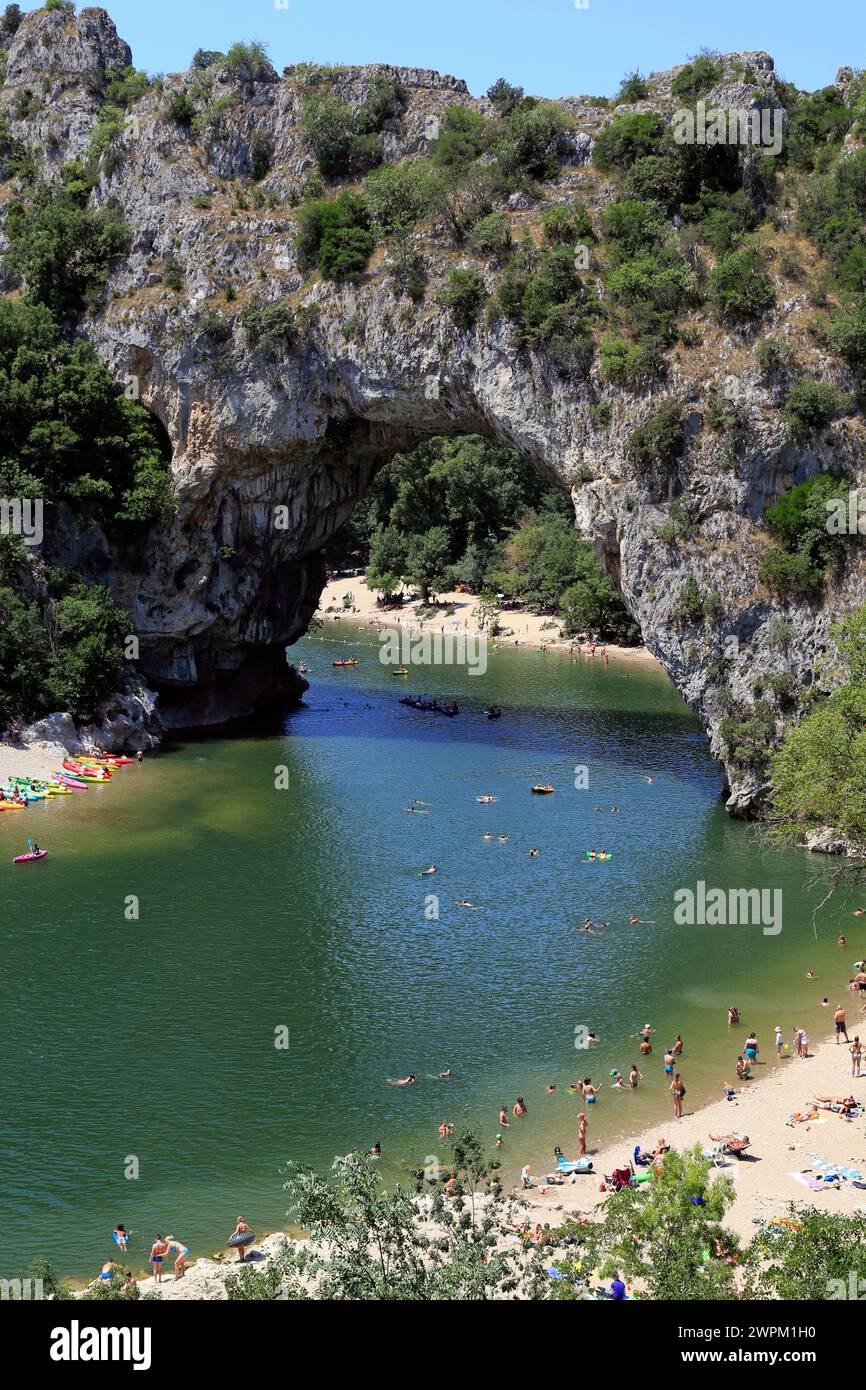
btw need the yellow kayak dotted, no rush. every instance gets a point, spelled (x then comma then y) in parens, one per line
(11, 806)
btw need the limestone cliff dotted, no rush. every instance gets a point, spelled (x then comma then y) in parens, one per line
(222, 589)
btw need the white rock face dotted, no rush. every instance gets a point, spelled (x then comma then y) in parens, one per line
(297, 434)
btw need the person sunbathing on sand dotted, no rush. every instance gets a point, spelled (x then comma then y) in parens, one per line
(844, 1103)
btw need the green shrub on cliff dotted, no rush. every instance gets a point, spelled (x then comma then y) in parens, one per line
(812, 405)
(63, 248)
(740, 287)
(628, 137)
(660, 440)
(334, 235)
(462, 295)
(697, 77)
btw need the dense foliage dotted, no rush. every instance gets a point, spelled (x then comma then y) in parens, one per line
(806, 549)
(465, 511)
(818, 770)
(71, 440)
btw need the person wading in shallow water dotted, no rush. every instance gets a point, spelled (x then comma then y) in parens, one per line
(678, 1091)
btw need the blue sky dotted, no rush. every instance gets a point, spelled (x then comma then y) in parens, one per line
(547, 46)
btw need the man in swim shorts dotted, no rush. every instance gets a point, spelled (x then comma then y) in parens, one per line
(156, 1257)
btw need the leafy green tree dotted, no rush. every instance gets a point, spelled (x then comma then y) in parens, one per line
(633, 87)
(504, 97)
(628, 137)
(668, 1233)
(817, 772)
(334, 235)
(427, 561)
(387, 561)
(813, 1255)
(368, 1243)
(62, 248)
(398, 195)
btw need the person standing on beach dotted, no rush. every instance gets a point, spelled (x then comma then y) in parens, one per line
(751, 1048)
(181, 1253)
(581, 1135)
(779, 1041)
(678, 1091)
(841, 1026)
(856, 1053)
(156, 1257)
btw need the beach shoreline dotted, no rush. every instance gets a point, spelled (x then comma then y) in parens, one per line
(518, 627)
(763, 1178)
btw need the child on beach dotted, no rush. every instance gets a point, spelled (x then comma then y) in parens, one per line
(856, 1051)
(780, 1042)
(581, 1135)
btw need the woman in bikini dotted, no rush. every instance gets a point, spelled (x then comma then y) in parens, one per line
(181, 1253)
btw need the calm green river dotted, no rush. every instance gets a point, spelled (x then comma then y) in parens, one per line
(147, 1047)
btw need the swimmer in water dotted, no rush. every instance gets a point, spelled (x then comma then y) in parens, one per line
(503, 1117)
(376, 1150)
(533, 853)
(425, 872)
(488, 835)
(519, 1107)
(413, 810)
(551, 1090)
(403, 1081)
(446, 1075)
(647, 779)
(634, 1077)
(503, 839)
(641, 921)
(464, 902)
(445, 1129)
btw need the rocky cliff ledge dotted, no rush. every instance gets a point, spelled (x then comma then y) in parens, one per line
(270, 453)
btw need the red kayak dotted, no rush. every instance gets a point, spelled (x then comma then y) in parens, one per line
(86, 774)
(30, 858)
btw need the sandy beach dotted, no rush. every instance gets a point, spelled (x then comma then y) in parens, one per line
(761, 1109)
(31, 760)
(764, 1179)
(518, 627)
